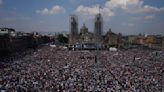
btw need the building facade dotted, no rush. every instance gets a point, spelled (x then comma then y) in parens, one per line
(84, 29)
(73, 38)
(85, 35)
(112, 39)
(163, 44)
(98, 28)
(7, 31)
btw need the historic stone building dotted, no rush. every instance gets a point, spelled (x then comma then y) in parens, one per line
(111, 39)
(85, 35)
(73, 38)
(98, 28)
(83, 29)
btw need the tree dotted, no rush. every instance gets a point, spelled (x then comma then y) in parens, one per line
(62, 39)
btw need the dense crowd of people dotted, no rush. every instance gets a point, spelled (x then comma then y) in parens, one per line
(58, 70)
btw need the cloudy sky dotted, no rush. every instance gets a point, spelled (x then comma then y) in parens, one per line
(49, 16)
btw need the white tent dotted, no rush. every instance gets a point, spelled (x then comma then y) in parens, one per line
(112, 49)
(52, 46)
(64, 47)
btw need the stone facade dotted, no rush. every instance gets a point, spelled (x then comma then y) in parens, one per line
(73, 30)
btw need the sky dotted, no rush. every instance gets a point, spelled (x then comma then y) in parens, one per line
(49, 16)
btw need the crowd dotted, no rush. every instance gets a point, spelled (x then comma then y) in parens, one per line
(51, 69)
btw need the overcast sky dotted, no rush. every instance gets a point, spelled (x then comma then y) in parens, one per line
(49, 16)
